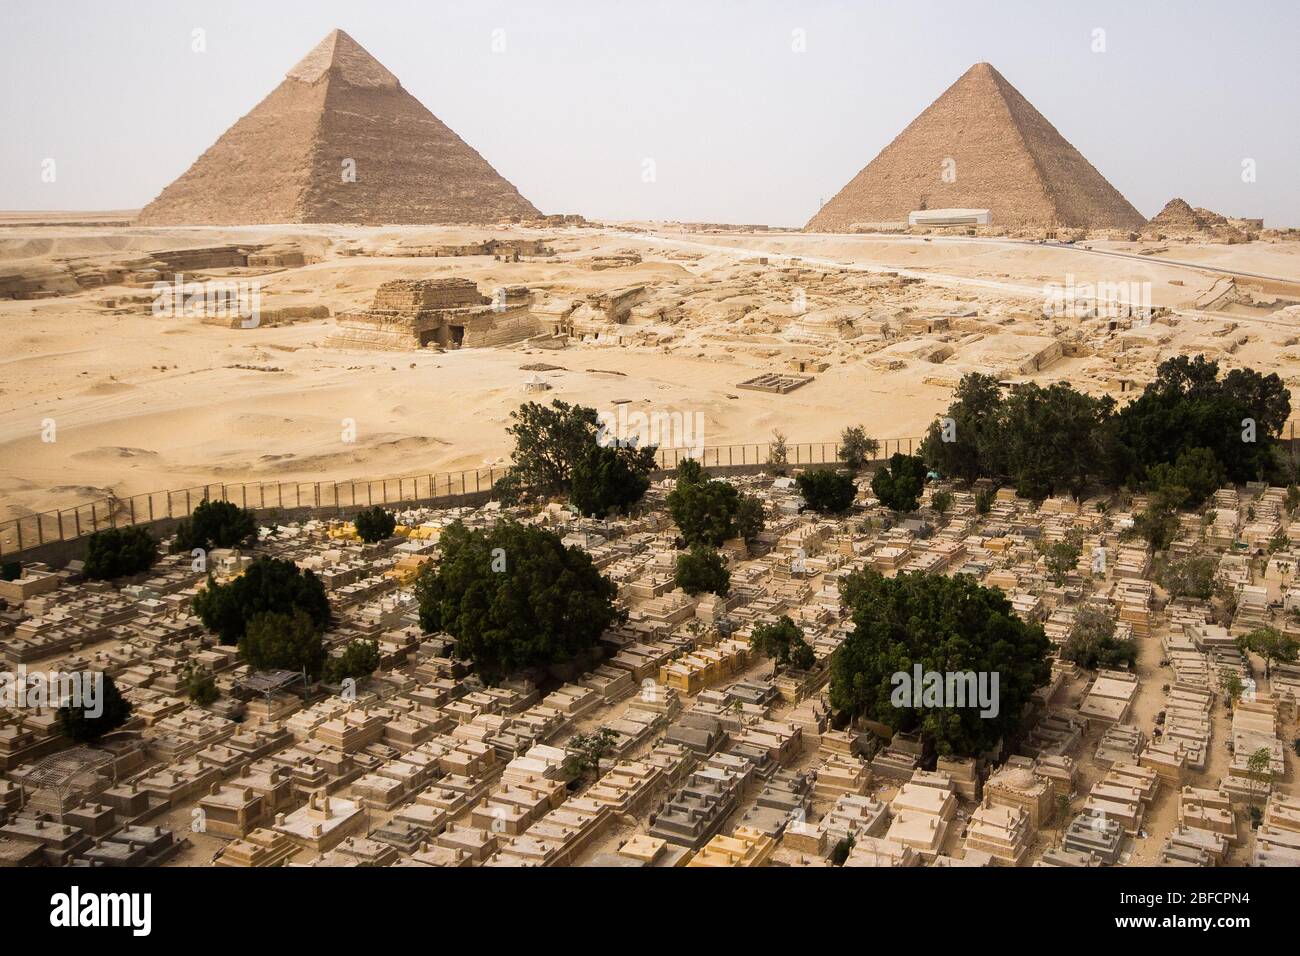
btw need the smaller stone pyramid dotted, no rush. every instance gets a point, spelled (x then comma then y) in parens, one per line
(981, 145)
(338, 141)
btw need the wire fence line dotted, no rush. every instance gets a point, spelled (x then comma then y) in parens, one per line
(22, 534)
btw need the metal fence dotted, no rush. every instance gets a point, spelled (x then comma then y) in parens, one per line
(68, 524)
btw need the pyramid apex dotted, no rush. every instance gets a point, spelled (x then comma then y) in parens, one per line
(983, 68)
(345, 58)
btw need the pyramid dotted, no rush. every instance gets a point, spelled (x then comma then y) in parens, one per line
(1006, 157)
(288, 160)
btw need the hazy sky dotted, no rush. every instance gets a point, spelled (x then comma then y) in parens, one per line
(740, 126)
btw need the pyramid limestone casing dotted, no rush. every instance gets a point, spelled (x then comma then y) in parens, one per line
(1009, 159)
(284, 161)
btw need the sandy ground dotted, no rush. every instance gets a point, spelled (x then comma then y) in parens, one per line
(141, 403)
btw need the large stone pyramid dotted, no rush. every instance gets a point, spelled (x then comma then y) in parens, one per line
(338, 111)
(981, 145)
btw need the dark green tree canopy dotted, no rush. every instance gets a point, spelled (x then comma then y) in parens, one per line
(702, 569)
(549, 440)
(1054, 439)
(827, 492)
(1092, 643)
(610, 479)
(784, 643)
(118, 552)
(708, 511)
(215, 524)
(969, 444)
(374, 524)
(899, 484)
(947, 625)
(1189, 481)
(749, 518)
(268, 584)
(1188, 406)
(86, 721)
(359, 659)
(275, 640)
(514, 597)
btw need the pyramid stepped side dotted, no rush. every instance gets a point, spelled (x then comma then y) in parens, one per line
(285, 161)
(1008, 158)
(410, 167)
(1082, 195)
(257, 172)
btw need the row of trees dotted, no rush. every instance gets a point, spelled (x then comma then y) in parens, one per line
(1187, 432)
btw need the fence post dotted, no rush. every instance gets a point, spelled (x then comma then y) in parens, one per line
(133, 510)
(19, 525)
(77, 514)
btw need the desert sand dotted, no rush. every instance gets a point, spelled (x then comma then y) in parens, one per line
(143, 403)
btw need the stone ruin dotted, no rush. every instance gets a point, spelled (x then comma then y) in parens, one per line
(446, 313)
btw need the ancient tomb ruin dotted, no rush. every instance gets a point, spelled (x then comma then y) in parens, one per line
(444, 313)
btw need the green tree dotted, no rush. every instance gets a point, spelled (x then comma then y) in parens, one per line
(1056, 439)
(1190, 577)
(118, 552)
(549, 441)
(508, 489)
(200, 686)
(1259, 767)
(1062, 556)
(702, 569)
(1272, 645)
(967, 442)
(777, 453)
(274, 640)
(1187, 406)
(1233, 688)
(608, 480)
(1092, 643)
(359, 660)
(899, 484)
(827, 492)
(946, 625)
(856, 447)
(1189, 481)
(1157, 524)
(514, 597)
(267, 585)
(941, 501)
(749, 518)
(374, 524)
(984, 501)
(783, 642)
(584, 752)
(87, 720)
(215, 524)
(705, 510)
